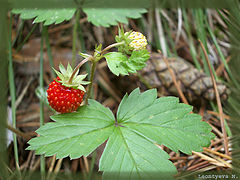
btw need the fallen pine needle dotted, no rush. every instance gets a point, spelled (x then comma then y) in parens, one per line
(225, 140)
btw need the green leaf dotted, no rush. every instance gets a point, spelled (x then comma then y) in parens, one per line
(118, 63)
(164, 121)
(128, 155)
(111, 16)
(138, 58)
(48, 16)
(115, 62)
(74, 134)
(143, 121)
(98, 16)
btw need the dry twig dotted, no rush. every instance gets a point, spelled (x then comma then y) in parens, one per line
(218, 101)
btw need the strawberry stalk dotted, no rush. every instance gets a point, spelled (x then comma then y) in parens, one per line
(78, 66)
(112, 45)
(93, 68)
(94, 60)
(91, 81)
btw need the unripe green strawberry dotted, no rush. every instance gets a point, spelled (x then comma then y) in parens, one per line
(64, 99)
(65, 95)
(138, 42)
(130, 41)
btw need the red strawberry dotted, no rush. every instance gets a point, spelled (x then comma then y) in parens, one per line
(65, 95)
(64, 99)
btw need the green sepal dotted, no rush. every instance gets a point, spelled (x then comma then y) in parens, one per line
(84, 55)
(62, 69)
(69, 70)
(115, 62)
(65, 75)
(123, 37)
(97, 52)
(58, 73)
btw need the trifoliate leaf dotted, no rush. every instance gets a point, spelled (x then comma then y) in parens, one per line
(48, 16)
(115, 62)
(129, 155)
(118, 63)
(111, 16)
(98, 16)
(143, 120)
(74, 134)
(164, 120)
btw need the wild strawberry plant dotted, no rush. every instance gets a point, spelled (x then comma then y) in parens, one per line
(142, 123)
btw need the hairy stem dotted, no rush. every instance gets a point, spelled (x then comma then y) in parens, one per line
(93, 68)
(78, 66)
(111, 46)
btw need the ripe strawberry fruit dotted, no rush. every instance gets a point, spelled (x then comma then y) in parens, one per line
(64, 96)
(64, 99)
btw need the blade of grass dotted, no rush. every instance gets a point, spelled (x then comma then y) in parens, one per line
(81, 38)
(94, 155)
(179, 29)
(161, 36)
(170, 39)
(200, 23)
(148, 26)
(222, 56)
(4, 170)
(229, 133)
(191, 43)
(49, 52)
(19, 31)
(156, 43)
(20, 34)
(142, 24)
(83, 48)
(42, 160)
(74, 41)
(26, 38)
(13, 95)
